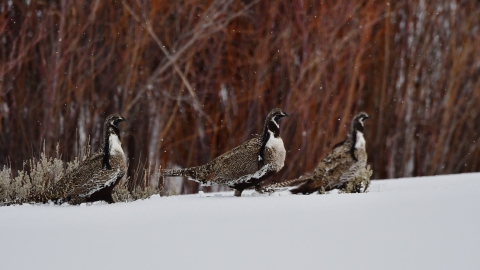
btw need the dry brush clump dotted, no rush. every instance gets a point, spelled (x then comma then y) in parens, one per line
(40, 173)
(36, 175)
(196, 78)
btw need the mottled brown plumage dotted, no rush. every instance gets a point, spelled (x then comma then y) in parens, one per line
(341, 164)
(95, 178)
(245, 165)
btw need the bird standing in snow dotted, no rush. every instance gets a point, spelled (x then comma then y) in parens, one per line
(345, 160)
(95, 178)
(245, 165)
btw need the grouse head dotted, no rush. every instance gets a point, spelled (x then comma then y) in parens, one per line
(114, 119)
(357, 123)
(272, 121)
(111, 124)
(275, 115)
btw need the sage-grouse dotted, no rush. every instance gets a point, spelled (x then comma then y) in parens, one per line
(245, 165)
(341, 164)
(95, 178)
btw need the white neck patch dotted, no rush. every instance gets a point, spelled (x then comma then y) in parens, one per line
(361, 143)
(274, 142)
(115, 144)
(278, 152)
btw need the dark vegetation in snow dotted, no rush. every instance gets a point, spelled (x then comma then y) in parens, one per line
(196, 78)
(40, 173)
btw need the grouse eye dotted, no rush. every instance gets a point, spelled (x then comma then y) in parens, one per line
(279, 116)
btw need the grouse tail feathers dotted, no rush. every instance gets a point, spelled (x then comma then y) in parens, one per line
(308, 187)
(288, 183)
(301, 189)
(193, 172)
(280, 185)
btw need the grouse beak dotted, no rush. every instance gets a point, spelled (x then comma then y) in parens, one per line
(285, 114)
(123, 119)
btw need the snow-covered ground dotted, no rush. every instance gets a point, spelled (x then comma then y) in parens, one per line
(414, 223)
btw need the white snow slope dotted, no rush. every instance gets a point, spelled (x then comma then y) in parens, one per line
(411, 223)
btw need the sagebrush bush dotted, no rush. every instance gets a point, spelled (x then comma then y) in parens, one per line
(38, 174)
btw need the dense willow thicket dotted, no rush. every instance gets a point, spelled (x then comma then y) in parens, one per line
(196, 78)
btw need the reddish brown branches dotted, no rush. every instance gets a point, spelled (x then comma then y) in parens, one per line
(196, 78)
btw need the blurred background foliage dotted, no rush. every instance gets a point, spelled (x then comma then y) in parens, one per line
(196, 78)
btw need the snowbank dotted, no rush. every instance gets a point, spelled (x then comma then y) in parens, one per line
(412, 223)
